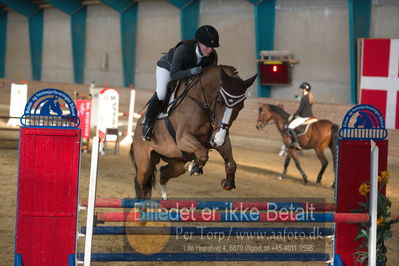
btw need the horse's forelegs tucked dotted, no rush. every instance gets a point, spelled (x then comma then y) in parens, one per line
(230, 165)
(174, 168)
(294, 156)
(324, 163)
(286, 163)
(190, 144)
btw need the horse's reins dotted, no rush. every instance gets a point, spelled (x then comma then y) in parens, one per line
(267, 123)
(175, 103)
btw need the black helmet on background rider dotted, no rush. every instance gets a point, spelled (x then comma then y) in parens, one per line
(208, 36)
(305, 86)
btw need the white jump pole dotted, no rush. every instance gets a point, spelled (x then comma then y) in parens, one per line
(91, 201)
(372, 246)
(129, 137)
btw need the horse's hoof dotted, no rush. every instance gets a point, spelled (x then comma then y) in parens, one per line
(280, 177)
(196, 170)
(305, 182)
(228, 188)
(228, 185)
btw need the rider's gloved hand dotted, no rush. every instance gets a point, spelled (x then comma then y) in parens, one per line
(195, 71)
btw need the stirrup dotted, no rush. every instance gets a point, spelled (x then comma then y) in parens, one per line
(295, 145)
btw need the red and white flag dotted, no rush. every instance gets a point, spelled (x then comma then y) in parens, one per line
(379, 81)
(84, 113)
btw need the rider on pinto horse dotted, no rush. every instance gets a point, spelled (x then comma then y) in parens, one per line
(304, 112)
(184, 60)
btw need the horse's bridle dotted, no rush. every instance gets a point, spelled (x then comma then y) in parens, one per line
(270, 122)
(214, 122)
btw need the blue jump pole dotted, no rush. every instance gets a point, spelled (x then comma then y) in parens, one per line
(208, 257)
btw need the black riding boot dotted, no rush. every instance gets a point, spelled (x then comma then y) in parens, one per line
(153, 109)
(294, 137)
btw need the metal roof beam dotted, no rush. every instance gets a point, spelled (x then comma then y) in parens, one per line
(36, 43)
(3, 42)
(178, 3)
(24, 7)
(68, 6)
(264, 14)
(119, 5)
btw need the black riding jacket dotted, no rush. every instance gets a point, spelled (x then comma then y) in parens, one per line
(305, 107)
(181, 58)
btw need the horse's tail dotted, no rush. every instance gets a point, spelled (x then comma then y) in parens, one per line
(149, 185)
(131, 153)
(333, 144)
(140, 194)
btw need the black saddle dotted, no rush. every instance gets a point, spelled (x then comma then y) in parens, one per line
(169, 101)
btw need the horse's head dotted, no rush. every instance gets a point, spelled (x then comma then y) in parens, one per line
(228, 103)
(56, 107)
(359, 121)
(364, 120)
(268, 112)
(264, 116)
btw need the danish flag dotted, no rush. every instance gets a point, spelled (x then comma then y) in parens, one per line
(379, 81)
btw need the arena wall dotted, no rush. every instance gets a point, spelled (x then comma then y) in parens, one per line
(316, 32)
(244, 125)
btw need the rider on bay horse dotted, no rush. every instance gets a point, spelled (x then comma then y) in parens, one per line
(184, 60)
(303, 113)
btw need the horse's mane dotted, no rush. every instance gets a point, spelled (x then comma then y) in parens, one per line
(279, 111)
(234, 72)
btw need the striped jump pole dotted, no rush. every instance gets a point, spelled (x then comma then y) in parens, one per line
(136, 216)
(212, 205)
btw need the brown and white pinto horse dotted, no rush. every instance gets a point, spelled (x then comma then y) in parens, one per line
(200, 121)
(320, 135)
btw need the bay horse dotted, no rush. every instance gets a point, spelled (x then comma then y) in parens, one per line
(319, 135)
(200, 121)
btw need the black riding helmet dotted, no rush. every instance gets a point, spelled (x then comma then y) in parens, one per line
(305, 86)
(208, 36)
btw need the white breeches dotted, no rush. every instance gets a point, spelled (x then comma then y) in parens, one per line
(163, 78)
(296, 122)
